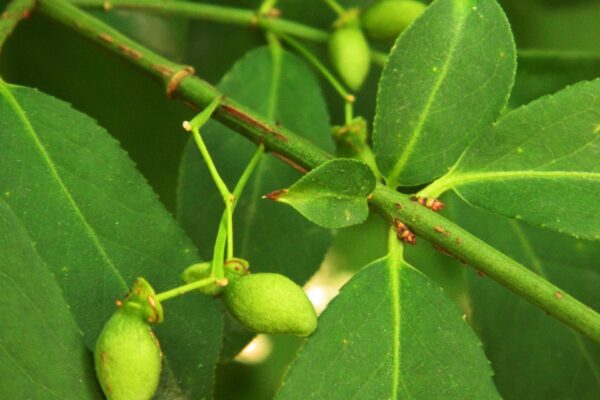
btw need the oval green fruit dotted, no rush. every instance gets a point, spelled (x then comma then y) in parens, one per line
(350, 55)
(270, 303)
(127, 357)
(386, 19)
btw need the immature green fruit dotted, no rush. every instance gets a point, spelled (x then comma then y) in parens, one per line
(350, 55)
(386, 19)
(270, 303)
(127, 357)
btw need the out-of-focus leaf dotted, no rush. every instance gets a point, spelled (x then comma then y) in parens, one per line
(542, 72)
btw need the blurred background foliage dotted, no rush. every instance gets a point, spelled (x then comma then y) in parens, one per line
(558, 44)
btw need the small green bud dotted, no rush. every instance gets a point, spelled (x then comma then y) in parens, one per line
(270, 303)
(385, 20)
(127, 355)
(350, 54)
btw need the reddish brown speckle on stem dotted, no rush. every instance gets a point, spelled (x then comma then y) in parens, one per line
(239, 114)
(397, 206)
(480, 273)
(105, 37)
(275, 195)
(439, 229)
(558, 295)
(176, 79)
(431, 203)
(119, 303)
(129, 52)
(404, 233)
(162, 69)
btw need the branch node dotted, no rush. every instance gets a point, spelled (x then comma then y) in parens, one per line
(176, 79)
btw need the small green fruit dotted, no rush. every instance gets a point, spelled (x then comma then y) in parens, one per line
(350, 55)
(127, 357)
(270, 303)
(386, 19)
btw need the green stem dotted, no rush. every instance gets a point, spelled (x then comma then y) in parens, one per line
(496, 265)
(209, 12)
(335, 6)
(217, 270)
(226, 224)
(266, 6)
(195, 125)
(178, 291)
(14, 12)
(241, 184)
(392, 204)
(229, 217)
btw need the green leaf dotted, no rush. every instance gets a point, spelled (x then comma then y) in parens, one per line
(272, 238)
(534, 356)
(42, 355)
(122, 100)
(539, 163)
(390, 334)
(446, 80)
(98, 226)
(334, 195)
(542, 72)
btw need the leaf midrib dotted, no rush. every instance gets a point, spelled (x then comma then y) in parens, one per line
(414, 138)
(28, 127)
(395, 265)
(458, 179)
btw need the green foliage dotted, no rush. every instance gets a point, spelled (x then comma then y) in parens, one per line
(333, 195)
(403, 338)
(280, 230)
(431, 104)
(269, 235)
(43, 355)
(539, 163)
(97, 225)
(534, 356)
(78, 222)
